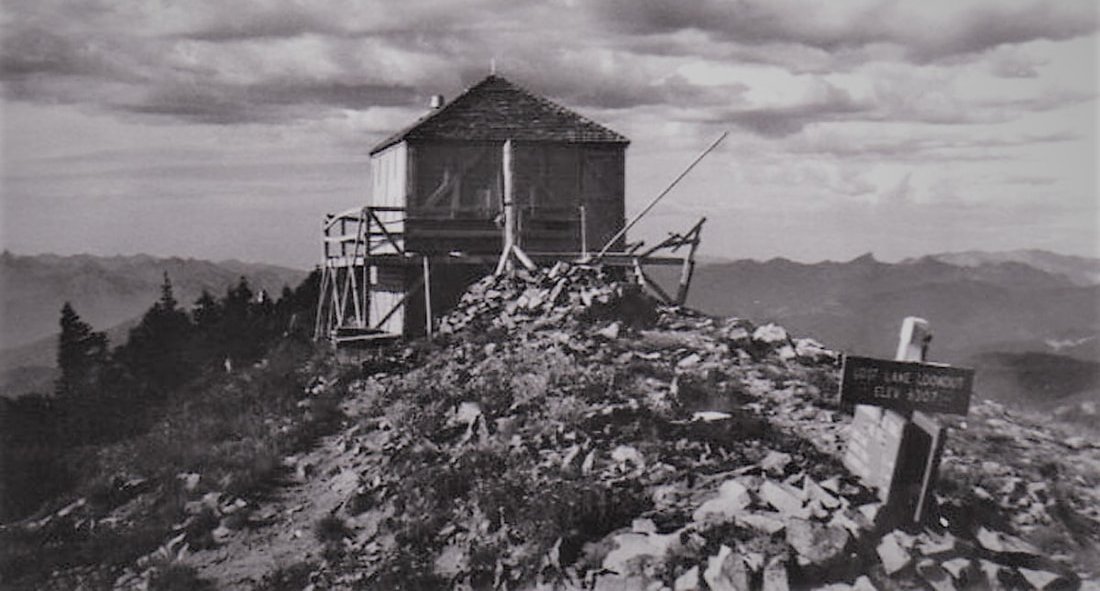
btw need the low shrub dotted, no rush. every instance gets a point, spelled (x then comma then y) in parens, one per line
(289, 578)
(179, 577)
(330, 529)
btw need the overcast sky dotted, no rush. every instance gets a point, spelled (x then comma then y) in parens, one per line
(227, 129)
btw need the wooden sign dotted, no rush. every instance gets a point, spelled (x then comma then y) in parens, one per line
(906, 386)
(894, 446)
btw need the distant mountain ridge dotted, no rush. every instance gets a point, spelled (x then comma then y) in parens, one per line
(1080, 270)
(858, 305)
(110, 290)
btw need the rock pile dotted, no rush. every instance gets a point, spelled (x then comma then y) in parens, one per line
(572, 433)
(553, 296)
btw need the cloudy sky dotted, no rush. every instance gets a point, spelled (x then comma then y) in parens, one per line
(220, 129)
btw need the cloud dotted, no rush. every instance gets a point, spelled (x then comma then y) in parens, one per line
(834, 104)
(902, 193)
(924, 32)
(270, 60)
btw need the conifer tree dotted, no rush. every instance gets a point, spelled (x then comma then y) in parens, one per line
(81, 355)
(156, 352)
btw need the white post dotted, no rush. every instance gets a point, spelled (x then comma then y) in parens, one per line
(509, 206)
(913, 340)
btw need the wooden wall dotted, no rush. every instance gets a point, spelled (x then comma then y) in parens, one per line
(453, 192)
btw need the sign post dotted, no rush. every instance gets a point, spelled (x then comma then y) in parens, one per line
(895, 445)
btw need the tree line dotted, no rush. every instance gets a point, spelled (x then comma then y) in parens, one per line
(105, 394)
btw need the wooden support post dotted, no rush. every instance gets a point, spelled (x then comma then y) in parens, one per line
(366, 266)
(931, 468)
(509, 207)
(523, 258)
(584, 232)
(319, 322)
(688, 269)
(427, 297)
(504, 262)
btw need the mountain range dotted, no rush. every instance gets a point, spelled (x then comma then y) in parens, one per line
(1020, 318)
(110, 293)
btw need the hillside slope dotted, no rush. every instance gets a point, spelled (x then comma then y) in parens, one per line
(565, 432)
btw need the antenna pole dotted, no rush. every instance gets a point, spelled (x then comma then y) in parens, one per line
(642, 213)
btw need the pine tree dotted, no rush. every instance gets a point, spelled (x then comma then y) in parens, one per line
(156, 352)
(167, 301)
(81, 355)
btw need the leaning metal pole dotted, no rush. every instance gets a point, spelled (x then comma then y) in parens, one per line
(642, 213)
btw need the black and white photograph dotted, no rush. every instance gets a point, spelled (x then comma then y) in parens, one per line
(549, 295)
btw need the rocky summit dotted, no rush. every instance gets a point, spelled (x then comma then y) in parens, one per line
(565, 431)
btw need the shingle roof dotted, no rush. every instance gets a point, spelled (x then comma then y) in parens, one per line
(497, 110)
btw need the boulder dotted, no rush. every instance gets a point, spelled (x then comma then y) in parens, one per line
(633, 548)
(812, 351)
(689, 581)
(935, 575)
(783, 498)
(766, 521)
(726, 571)
(771, 335)
(775, 462)
(817, 545)
(1042, 579)
(733, 497)
(893, 553)
(775, 576)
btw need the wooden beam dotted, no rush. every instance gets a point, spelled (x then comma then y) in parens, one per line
(523, 258)
(503, 260)
(688, 269)
(341, 238)
(333, 218)
(385, 232)
(646, 281)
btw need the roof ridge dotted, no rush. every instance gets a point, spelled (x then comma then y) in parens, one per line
(573, 127)
(555, 105)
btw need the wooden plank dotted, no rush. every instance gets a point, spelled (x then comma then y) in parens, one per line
(350, 214)
(400, 303)
(342, 238)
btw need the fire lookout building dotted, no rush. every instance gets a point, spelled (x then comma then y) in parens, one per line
(496, 167)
